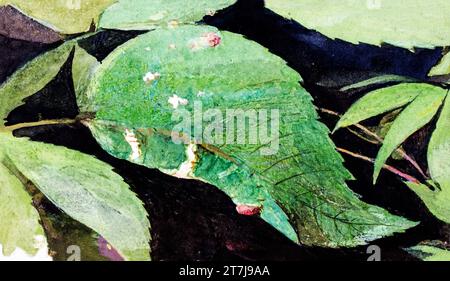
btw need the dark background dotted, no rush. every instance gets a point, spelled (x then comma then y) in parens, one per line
(195, 221)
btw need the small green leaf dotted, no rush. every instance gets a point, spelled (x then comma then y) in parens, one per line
(19, 220)
(300, 189)
(86, 189)
(408, 24)
(429, 253)
(83, 68)
(442, 68)
(31, 78)
(64, 16)
(144, 14)
(416, 115)
(381, 101)
(439, 148)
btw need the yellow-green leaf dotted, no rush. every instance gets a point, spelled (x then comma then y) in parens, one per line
(86, 189)
(31, 78)
(21, 234)
(64, 16)
(415, 116)
(408, 24)
(381, 101)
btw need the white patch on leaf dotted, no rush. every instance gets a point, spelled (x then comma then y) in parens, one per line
(150, 77)
(20, 255)
(132, 140)
(186, 169)
(176, 101)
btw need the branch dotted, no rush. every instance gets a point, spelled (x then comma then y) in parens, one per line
(379, 140)
(385, 166)
(35, 124)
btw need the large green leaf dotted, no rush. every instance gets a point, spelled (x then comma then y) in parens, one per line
(381, 101)
(143, 88)
(19, 221)
(144, 14)
(84, 188)
(411, 23)
(419, 113)
(31, 78)
(64, 16)
(429, 253)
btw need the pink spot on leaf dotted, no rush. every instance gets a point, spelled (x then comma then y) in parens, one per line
(213, 39)
(248, 210)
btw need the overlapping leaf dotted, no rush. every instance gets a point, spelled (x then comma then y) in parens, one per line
(141, 91)
(31, 78)
(20, 229)
(419, 113)
(425, 101)
(408, 24)
(437, 196)
(84, 188)
(66, 17)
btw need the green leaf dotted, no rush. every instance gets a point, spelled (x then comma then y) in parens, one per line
(439, 149)
(408, 24)
(442, 68)
(299, 185)
(437, 199)
(429, 253)
(31, 78)
(83, 68)
(143, 15)
(64, 16)
(84, 188)
(19, 221)
(419, 113)
(381, 101)
(383, 79)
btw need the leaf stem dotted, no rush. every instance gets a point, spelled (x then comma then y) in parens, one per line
(385, 166)
(38, 123)
(379, 140)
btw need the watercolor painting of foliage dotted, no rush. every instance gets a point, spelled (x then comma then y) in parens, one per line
(137, 130)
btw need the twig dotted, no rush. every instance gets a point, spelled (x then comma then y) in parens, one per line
(385, 166)
(35, 124)
(379, 140)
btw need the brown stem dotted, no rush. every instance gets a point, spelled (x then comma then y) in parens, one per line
(379, 140)
(35, 124)
(385, 166)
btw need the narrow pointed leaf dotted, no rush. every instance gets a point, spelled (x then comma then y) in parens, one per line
(381, 101)
(86, 189)
(408, 24)
(31, 78)
(142, 14)
(383, 79)
(141, 97)
(20, 229)
(419, 113)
